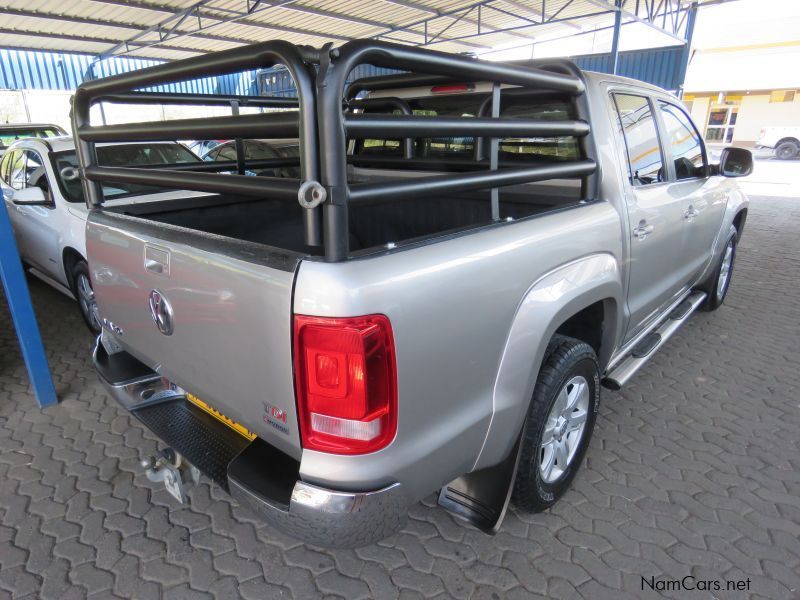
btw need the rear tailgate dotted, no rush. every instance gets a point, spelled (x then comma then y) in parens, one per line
(231, 306)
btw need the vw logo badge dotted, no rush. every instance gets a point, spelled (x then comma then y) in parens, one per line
(161, 311)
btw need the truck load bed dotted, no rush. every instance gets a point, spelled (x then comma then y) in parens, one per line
(279, 224)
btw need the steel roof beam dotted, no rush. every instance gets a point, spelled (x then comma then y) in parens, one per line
(452, 13)
(206, 12)
(164, 9)
(541, 13)
(83, 38)
(648, 22)
(15, 12)
(521, 27)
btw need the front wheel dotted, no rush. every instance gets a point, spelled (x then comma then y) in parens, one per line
(787, 150)
(82, 288)
(717, 287)
(559, 424)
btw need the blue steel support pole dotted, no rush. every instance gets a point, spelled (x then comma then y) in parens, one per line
(615, 39)
(19, 302)
(691, 18)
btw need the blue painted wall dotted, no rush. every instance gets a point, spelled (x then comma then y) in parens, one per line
(659, 66)
(27, 70)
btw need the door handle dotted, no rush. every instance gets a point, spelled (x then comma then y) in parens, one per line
(642, 230)
(153, 266)
(690, 213)
(156, 260)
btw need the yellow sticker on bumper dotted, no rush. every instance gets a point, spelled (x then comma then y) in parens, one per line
(240, 429)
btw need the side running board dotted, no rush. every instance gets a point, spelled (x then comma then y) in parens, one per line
(647, 347)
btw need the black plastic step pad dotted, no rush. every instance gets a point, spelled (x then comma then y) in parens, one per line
(681, 310)
(197, 436)
(121, 367)
(646, 346)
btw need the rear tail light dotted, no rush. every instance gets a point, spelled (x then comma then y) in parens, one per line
(346, 383)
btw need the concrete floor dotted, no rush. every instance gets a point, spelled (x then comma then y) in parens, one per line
(694, 469)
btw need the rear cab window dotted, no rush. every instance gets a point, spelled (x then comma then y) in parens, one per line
(468, 105)
(10, 135)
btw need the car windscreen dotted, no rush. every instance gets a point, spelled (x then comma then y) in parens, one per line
(510, 149)
(9, 136)
(122, 155)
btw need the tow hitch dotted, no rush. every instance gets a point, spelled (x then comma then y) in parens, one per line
(169, 467)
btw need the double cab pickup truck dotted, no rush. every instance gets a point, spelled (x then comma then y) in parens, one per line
(470, 252)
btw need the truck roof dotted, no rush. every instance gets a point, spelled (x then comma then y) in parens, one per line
(29, 126)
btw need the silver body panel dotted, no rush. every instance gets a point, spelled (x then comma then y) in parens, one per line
(231, 344)
(471, 314)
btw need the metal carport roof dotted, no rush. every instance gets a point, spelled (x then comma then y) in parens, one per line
(173, 29)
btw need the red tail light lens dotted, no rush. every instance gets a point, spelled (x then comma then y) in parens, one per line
(346, 382)
(452, 88)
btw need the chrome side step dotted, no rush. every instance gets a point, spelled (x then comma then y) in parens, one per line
(644, 351)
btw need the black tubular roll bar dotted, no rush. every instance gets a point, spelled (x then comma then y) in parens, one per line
(199, 99)
(426, 67)
(328, 114)
(297, 60)
(270, 125)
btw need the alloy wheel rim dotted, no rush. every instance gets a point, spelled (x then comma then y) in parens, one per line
(725, 271)
(87, 301)
(564, 429)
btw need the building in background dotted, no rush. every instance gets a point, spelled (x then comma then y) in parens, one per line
(734, 92)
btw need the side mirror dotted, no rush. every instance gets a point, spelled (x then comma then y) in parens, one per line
(32, 196)
(735, 162)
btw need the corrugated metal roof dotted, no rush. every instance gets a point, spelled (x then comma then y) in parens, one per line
(172, 29)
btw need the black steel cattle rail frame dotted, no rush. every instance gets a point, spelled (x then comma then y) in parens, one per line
(324, 122)
(121, 88)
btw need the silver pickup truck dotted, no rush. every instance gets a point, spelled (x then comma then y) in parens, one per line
(471, 251)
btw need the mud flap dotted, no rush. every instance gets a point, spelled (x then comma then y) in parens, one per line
(482, 497)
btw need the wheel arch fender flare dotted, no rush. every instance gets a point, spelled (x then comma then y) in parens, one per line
(69, 257)
(548, 303)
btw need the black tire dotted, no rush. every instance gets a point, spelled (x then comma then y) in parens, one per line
(715, 295)
(787, 150)
(565, 359)
(79, 278)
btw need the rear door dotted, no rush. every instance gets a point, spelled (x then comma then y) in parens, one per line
(655, 217)
(224, 308)
(704, 197)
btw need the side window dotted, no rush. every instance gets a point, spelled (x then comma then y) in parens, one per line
(5, 165)
(35, 173)
(226, 153)
(638, 128)
(684, 141)
(16, 170)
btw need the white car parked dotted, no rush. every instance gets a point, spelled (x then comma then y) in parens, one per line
(783, 141)
(42, 190)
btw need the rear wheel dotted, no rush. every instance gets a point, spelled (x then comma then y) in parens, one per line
(559, 424)
(787, 150)
(82, 288)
